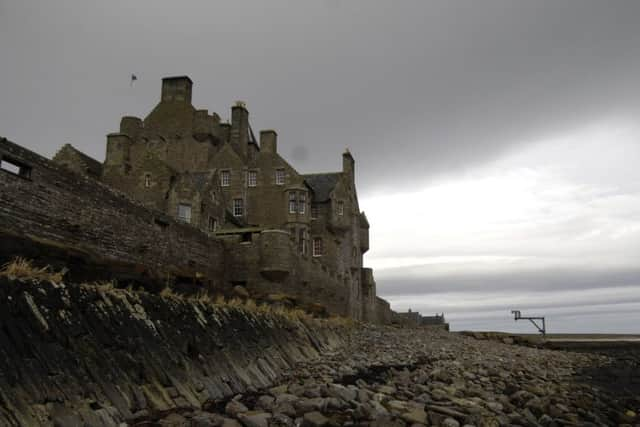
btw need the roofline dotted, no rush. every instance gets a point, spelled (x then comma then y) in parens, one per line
(178, 78)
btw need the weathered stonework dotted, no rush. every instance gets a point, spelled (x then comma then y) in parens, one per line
(182, 194)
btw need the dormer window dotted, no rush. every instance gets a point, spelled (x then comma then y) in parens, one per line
(280, 176)
(315, 211)
(225, 178)
(147, 180)
(340, 208)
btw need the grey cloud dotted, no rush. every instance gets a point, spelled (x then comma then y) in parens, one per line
(542, 280)
(412, 88)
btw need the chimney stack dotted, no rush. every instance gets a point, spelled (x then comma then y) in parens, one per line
(268, 141)
(240, 127)
(176, 89)
(348, 165)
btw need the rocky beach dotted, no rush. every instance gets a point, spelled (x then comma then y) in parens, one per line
(94, 355)
(385, 376)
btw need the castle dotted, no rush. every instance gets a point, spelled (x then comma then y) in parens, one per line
(200, 200)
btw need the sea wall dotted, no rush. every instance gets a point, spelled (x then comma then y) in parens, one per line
(91, 355)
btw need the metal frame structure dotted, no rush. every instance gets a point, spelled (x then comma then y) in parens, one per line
(542, 329)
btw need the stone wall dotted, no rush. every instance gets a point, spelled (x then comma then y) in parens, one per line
(74, 355)
(61, 212)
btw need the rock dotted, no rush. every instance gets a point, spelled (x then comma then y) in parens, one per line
(450, 422)
(234, 407)
(314, 419)
(341, 392)
(386, 389)
(255, 419)
(281, 420)
(387, 421)
(230, 422)
(415, 415)
(396, 406)
(204, 419)
(309, 405)
(265, 402)
(281, 389)
(174, 420)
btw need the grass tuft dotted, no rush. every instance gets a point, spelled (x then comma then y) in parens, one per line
(22, 268)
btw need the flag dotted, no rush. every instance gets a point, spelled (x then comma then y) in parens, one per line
(133, 79)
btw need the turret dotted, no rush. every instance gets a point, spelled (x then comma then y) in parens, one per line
(130, 125)
(176, 89)
(118, 148)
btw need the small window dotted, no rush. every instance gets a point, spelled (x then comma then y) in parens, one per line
(225, 178)
(315, 211)
(317, 246)
(147, 180)
(302, 202)
(184, 213)
(340, 208)
(252, 179)
(213, 224)
(292, 202)
(238, 207)
(15, 168)
(280, 176)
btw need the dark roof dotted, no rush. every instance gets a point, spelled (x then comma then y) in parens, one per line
(322, 184)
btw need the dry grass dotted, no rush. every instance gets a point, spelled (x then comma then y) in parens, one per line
(21, 268)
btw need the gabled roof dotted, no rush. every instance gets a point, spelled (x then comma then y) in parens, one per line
(92, 166)
(322, 184)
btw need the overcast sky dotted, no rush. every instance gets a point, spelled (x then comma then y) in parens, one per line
(497, 142)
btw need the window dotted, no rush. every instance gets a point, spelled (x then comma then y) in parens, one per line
(213, 224)
(238, 207)
(252, 179)
(317, 246)
(340, 208)
(280, 176)
(147, 180)
(184, 213)
(292, 202)
(15, 168)
(225, 178)
(302, 201)
(302, 241)
(315, 211)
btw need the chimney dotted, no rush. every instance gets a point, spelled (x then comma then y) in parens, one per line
(268, 141)
(240, 127)
(176, 89)
(348, 165)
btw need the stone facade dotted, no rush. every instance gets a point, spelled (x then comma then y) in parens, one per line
(284, 233)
